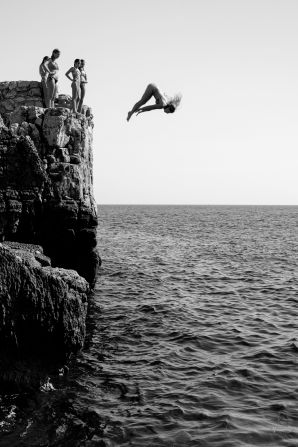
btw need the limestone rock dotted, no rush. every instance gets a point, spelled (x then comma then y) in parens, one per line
(42, 310)
(53, 301)
(66, 102)
(46, 181)
(15, 94)
(46, 200)
(54, 128)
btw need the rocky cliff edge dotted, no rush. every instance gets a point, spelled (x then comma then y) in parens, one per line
(46, 177)
(46, 198)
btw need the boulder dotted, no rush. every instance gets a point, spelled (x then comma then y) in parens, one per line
(42, 311)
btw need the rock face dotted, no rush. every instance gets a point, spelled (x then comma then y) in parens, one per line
(42, 314)
(15, 94)
(48, 213)
(46, 192)
(39, 299)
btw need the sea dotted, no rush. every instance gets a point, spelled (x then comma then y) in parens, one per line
(192, 336)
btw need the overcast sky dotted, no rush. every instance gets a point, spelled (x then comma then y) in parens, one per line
(234, 139)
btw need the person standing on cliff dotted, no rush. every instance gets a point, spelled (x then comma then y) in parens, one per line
(52, 68)
(82, 84)
(162, 101)
(75, 84)
(44, 76)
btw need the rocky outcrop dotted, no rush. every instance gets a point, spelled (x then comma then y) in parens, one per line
(42, 314)
(46, 192)
(48, 215)
(39, 299)
(15, 94)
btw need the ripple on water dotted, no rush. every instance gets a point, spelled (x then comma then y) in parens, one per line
(192, 330)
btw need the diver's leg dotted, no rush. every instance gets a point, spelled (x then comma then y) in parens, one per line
(145, 98)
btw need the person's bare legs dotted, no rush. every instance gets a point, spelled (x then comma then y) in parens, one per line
(75, 95)
(45, 92)
(51, 88)
(83, 91)
(145, 98)
(55, 93)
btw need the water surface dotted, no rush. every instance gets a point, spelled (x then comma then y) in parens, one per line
(192, 335)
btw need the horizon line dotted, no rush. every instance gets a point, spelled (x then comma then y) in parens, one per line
(192, 204)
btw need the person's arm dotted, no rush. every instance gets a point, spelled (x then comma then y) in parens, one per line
(45, 65)
(67, 74)
(148, 108)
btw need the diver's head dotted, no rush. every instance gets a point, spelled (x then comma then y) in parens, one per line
(172, 104)
(169, 108)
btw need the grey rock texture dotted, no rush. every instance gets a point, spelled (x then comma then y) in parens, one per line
(40, 305)
(46, 177)
(42, 314)
(14, 94)
(48, 221)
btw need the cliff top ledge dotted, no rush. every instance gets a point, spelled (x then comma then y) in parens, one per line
(14, 94)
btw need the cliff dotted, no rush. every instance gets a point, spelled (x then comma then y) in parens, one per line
(46, 199)
(34, 293)
(46, 171)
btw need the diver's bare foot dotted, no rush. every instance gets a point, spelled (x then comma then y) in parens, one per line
(128, 116)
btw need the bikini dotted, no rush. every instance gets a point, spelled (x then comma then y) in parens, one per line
(76, 74)
(54, 67)
(83, 77)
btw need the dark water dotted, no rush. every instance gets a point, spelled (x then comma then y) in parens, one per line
(192, 336)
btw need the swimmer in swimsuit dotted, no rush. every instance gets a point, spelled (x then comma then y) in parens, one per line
(44, 76)
(82, 85)
(75, 84)
(162, 101)
(52, 68)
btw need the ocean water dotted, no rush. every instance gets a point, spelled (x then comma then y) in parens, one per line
(192, 336)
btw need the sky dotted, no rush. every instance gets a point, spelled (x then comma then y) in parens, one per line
(234, 138)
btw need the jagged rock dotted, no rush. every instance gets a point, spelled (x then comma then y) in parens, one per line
(75, 159)
(2, 125)
(49, 153)
(51, 299)
(42, 310)
(46, 200)
(15, 94)
(66, 102)
(54, 129)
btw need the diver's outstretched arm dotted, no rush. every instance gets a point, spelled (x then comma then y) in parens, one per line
(148, 108)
